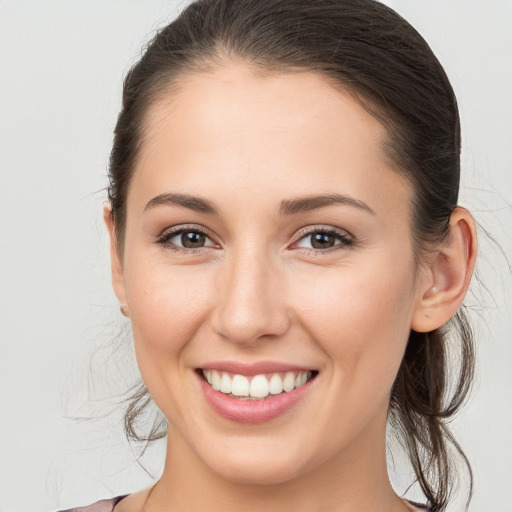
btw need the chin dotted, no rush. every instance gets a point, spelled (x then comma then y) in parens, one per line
(259, 466)
(257, 474)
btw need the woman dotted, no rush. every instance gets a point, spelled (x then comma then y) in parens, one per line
(286, 241)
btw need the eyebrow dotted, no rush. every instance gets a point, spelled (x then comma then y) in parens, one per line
(185, 200)
(288, 207)
(304, 204)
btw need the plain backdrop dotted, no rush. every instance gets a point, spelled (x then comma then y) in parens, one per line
(63, 353)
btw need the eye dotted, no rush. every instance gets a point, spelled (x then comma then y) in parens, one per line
(322, 240)
(186, 239)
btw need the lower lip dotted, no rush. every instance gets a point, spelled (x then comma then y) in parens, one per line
(252, 411)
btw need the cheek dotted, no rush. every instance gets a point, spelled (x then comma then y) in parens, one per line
(361, 319)
(167, 306)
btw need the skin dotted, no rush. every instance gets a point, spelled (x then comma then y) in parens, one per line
(246, 142)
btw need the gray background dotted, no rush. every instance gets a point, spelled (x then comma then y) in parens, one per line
(61, 66)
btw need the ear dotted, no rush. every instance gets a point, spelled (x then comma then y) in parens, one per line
(447, 276)
(115, 259)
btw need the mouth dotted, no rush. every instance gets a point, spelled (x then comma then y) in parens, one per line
(258, 387)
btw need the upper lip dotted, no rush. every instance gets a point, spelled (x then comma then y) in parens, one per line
(256, 368)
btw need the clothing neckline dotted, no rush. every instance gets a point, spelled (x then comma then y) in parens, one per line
(416, 507)
(117, 499)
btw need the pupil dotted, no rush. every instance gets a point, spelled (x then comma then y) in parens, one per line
(322, 240)
(191, 240)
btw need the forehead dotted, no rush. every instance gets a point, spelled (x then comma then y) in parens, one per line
(239, 102)
(233, 129)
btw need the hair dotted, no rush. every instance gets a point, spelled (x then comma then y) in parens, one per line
(369, 51)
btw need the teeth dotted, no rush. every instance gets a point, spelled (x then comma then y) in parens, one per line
(225, 383)
(289, 382)
(216, 380)
(239, 385)
(275, 385)
(257, 387)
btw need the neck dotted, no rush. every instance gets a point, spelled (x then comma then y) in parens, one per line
(354, 480)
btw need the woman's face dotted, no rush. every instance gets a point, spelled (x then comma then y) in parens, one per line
(267, 234)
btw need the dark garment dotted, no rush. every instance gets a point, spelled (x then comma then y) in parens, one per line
(418, 506)
(108, 505)
(99, 506)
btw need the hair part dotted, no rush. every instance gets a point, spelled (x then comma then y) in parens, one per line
(367, 49)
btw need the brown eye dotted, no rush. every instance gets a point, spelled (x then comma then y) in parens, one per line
(325, 240)
(322, 240)
(192, 239)
(186, 239)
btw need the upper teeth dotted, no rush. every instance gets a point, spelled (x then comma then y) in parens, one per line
(258, 386)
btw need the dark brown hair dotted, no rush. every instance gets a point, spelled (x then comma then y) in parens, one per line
(370, 51)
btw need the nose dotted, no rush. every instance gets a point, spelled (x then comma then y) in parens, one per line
(250, 301)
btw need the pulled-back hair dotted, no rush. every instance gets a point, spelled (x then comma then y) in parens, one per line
(368, 50)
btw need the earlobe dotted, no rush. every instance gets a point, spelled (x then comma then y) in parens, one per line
(448, 275)
(115, 257)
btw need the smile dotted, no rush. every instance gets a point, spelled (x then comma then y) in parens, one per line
(257, 387)
(262, 394)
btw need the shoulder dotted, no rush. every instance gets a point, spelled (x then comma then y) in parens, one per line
(100, 506)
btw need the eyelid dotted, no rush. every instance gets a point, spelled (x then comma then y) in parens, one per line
(169, 233)
(348, 239)
(306, 230)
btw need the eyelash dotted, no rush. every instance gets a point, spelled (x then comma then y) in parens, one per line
(163, 239)
(347, 242)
